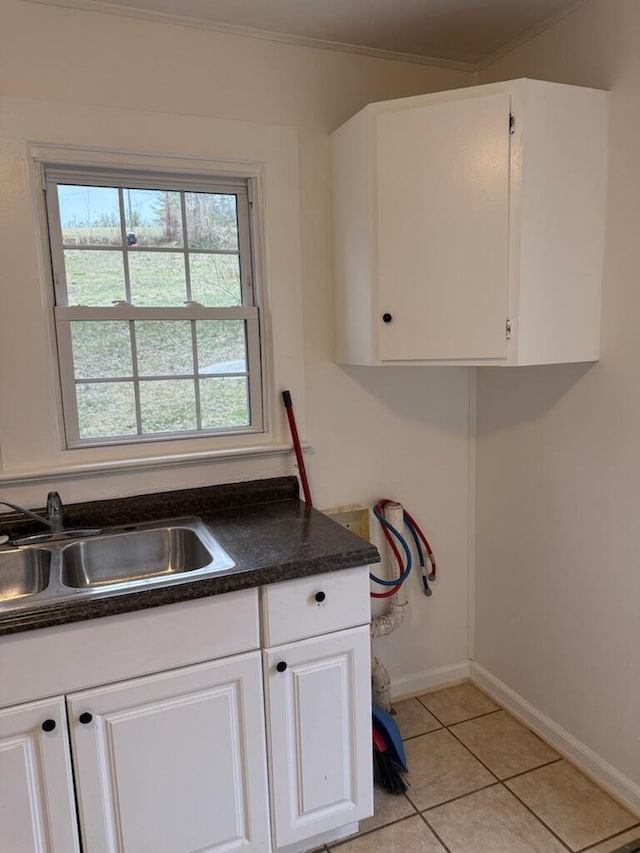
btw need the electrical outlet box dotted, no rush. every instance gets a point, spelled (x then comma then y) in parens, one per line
(355, 518)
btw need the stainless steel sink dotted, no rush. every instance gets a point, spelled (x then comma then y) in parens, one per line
(23, 573)
(118, 560)
(133, 556)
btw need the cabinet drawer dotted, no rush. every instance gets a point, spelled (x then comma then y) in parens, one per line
(98, 651)
(308, 607)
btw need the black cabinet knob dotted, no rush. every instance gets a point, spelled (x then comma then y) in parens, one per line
(85, 718)
(281, 666)
(387, 318)
(48, 725)
(320, 596)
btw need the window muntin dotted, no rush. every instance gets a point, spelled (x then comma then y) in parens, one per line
(156, 322)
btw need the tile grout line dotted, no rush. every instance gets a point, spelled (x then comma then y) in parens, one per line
(435, 833)
(531, 769)
(454, 799)
(465, 720)
(422, 734)
(472, 754)
(448, 727)
(435, 716)
(499, 781)
(610, 838)
(486, 766)
(388, 823)
(495, 784)
(423, 815)
(539, 819)
(374, 829)
(502, 781)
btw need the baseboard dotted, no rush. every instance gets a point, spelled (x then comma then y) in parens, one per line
(428, 679)
(623, 789)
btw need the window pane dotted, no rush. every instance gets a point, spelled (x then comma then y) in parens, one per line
(212, 221)
(215, 280)
(164, 347)
(221, 346)
(106, 409)
(101, 349)
(224, 402)
(153, 217)
(94, 278)
(90, 216)
(139, 241)
(168, 405)
(157, 278)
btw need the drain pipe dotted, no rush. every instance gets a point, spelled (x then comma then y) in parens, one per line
(388, 622)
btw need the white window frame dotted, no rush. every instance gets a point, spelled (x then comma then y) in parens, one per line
(32, 452)
(63, 314)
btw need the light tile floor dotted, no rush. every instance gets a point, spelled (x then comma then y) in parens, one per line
(480, 782)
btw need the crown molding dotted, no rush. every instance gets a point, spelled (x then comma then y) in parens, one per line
(528, 35)
(251, 32)
(321, 44)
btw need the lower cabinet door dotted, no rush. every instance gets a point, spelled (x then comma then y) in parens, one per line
(319, 734)
(37, 808)
(174, 762)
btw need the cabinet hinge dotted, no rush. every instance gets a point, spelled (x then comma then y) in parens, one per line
(512, 123)
(508, 329)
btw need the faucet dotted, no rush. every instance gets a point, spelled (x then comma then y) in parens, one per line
(55, 512)
(29, 512)
(54, 520)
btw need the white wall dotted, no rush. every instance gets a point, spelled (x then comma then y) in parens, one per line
(558, 461)
(375, 432)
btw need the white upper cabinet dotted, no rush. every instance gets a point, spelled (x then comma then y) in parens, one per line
(469, 227)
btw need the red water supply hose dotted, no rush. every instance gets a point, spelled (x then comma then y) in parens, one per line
(288, 405)
(379, 510)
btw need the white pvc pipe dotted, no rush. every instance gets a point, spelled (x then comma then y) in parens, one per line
(388, 622)
(380, 685)
(385, 624)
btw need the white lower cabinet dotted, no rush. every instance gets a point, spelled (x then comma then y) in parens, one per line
(37, 809)
(173, 763)
(319, 725)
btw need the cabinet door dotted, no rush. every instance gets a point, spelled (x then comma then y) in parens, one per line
(37, 808)
(319, 726)
(442, 229)
(175, 762)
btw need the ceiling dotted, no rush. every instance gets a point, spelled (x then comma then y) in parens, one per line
(466, 32)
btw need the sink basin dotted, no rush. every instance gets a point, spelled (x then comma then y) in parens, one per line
(134, 555)
(117, 561)
(23, 573)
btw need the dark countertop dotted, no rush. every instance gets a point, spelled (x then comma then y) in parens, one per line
(270, 534)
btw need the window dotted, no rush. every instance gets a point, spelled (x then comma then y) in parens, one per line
(156, 315)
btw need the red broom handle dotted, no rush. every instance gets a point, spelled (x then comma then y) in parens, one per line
(286, 397)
